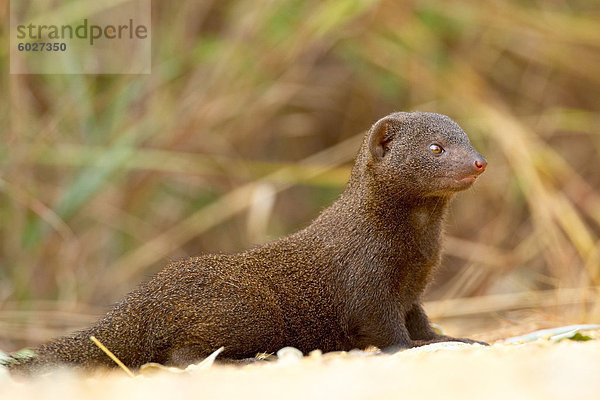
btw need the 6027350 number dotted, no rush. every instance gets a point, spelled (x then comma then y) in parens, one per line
(40, 46)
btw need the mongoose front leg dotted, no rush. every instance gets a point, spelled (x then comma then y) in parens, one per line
(421, 332)
(388, 334)
(400, 341)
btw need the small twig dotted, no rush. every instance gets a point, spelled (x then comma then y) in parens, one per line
(112, 356)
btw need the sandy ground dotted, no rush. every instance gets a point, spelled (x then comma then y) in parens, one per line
(537, 370)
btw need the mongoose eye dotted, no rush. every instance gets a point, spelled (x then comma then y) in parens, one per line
(436, 148)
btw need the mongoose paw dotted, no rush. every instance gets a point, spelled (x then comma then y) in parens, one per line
(443, 338)
(470, 341)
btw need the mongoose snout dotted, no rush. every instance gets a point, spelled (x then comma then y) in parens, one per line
(479, 166)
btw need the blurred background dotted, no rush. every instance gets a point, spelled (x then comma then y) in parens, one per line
(247, 128)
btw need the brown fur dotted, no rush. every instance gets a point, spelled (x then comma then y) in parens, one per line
(351, 279)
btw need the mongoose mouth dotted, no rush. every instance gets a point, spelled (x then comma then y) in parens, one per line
(460, 183)
(468, 180)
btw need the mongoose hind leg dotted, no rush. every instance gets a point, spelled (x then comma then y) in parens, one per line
(186, 355)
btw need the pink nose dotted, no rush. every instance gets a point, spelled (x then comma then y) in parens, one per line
(480, 165)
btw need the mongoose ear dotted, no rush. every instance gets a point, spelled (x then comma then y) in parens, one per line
(379, 137)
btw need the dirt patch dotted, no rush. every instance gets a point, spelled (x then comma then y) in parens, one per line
(540, 369)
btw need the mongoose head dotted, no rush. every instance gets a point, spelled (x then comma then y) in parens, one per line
(422, 154)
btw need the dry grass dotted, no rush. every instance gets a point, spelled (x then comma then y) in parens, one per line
(248, 125)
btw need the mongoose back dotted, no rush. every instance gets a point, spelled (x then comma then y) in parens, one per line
(352, 279)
